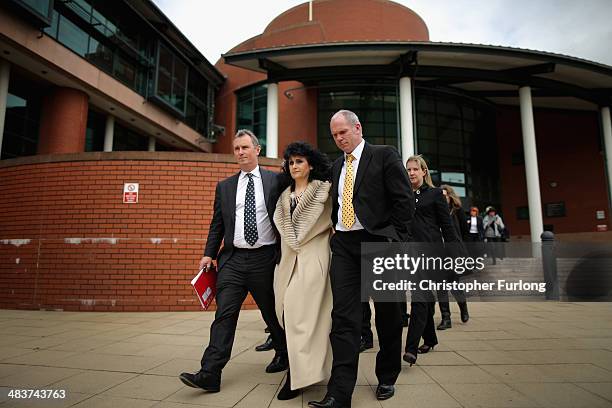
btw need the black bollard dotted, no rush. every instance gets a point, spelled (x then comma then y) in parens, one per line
(549, 265)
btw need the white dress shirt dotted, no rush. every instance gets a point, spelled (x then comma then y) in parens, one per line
(357, 157)
(264, 226)
(473, 225)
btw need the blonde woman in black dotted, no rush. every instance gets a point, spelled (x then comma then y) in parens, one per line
(431, 224)
(460, 223)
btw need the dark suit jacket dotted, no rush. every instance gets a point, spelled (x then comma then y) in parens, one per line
(382, 197)
(460, 223)
(222, 226)
(432, 220)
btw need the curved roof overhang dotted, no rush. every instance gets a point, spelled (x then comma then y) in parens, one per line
(490, 72)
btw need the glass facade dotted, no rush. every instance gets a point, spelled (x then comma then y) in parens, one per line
(119, 42)
(171, 79)
(375, 104)
(126, 139)
(94, 134)
(252, 105)
(456, 136)
(38, 11)
(22, 119)
(114, 41)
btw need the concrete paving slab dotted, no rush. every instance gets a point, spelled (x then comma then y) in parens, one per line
(92, 382)
(549, 373)
(68, 401)
(231, 394)
(37, 377)
(114, 402)
(604, 390)
(555, 395)
(107, 362)
(149, 387)
(460, 375)
(488, 395)
(39, 357)
(420, 396)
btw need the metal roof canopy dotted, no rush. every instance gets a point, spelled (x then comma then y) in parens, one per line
(490, 72)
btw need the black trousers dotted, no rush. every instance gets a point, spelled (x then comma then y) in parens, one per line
(421, 323)
(248, 270)
(366, 327)
(442, 295)
(347, 317)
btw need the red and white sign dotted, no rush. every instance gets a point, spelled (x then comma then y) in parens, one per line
(602, 228)
(130, 193)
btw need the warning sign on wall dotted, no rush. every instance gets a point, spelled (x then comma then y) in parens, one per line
(130, 193)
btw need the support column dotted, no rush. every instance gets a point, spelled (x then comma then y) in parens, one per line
(5, 73)
(272, 121)
(63, 121)
(406, 118)
(151, 143)
(109, 133)
(606, 126)
(536, 224)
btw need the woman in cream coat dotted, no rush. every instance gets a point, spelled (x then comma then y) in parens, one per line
(301, 281)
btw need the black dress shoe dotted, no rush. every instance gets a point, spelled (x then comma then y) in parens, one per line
(279, 363)
(266, 345)
(384, 392)
(327, 402)
(409, 358)
(201, 380)
(365, 345)
(445, 323)
(286, 393)
(424, 349)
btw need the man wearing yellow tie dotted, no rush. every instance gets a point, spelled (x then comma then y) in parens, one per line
(373, 202)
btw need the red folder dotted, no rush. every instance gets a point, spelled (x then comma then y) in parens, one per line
(205, 286)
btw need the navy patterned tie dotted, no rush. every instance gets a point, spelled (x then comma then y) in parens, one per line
(250, 220)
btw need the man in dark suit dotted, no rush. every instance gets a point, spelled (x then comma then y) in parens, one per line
(242, 219)
(372, 202)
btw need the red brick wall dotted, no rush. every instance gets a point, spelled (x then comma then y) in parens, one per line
(63, 121)
(569, 154)
(67, 241)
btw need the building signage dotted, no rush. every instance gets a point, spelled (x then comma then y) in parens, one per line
(130, 193)
(600, 214)
(602, 228)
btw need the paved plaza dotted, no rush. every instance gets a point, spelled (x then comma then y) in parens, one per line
(541, 354)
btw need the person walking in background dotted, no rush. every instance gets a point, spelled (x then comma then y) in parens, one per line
(372, 202)
(475, 226)
(494, 233)
(242, 219)
(431, 223)
(460, 223)
(301, 282)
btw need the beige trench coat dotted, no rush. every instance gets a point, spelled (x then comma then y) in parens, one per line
(301, 282)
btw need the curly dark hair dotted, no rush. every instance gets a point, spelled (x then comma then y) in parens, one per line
(321, 166)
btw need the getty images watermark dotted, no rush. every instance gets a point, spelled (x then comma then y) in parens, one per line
(486, 271)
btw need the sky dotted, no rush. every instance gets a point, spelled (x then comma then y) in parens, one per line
(577, 28)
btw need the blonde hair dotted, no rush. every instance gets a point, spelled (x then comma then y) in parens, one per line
(454, 198)
(423, 165)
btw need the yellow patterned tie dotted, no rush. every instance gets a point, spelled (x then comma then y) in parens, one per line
(348, 212)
